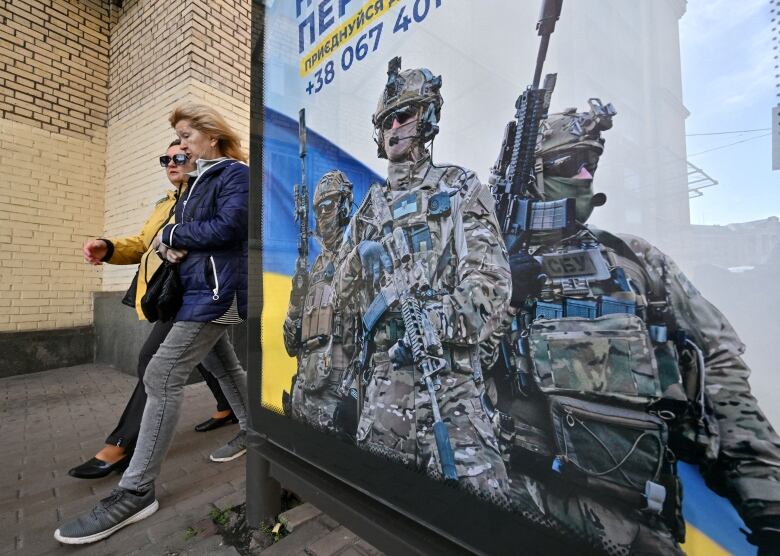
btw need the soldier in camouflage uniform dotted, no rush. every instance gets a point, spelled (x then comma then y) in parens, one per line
(447, 217)
(604, 348)
(312, 328)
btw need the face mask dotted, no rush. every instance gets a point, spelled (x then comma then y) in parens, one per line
(581, 190)
(330, 231)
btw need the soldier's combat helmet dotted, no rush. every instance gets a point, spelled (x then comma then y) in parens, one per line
(570, 139)
(417, 88)
(334, 185)
(569, 148)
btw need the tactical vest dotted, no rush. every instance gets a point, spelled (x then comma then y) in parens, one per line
(595, 380)
(425, 216)
(323, 359)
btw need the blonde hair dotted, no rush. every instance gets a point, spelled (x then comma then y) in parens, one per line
(207, 120)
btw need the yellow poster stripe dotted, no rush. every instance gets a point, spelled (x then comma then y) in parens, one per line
(278, 367)
(698, 544)
(371, 10)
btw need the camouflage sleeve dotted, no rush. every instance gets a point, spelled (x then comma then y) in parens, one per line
(484, 280)
(347, 280)
(747, 470)
(492, 335)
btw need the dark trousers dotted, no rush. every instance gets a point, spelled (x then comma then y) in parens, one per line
(126, 432)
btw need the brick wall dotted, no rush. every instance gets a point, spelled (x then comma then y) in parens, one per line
(85, 92)
(221, 34)
(46, 213)
(149, 52)
(53, 111)
(54, 71)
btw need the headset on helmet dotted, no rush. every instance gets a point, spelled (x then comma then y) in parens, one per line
(414, 87)
(335, 183)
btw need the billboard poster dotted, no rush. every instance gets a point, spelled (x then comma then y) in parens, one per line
(481, 272)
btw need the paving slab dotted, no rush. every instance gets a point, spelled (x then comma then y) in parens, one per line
(57, 419)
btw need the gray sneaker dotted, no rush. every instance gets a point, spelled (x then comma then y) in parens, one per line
(120, 508)
(233, 449)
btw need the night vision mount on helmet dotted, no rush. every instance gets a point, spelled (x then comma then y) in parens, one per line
(413, 88)
(574, 137)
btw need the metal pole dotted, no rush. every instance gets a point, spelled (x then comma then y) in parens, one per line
(263, 493)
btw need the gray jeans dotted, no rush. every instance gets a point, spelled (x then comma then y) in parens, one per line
(186, 345)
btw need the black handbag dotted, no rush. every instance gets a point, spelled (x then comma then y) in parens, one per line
(129, 298)
(164, 294)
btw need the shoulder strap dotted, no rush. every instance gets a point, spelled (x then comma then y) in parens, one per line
(656, 290)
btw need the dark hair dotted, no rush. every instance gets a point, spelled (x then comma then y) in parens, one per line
(175, 142)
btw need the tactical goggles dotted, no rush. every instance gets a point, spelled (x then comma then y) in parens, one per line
(326, 206)
(569, 164)
(402, 116)
(178, 160)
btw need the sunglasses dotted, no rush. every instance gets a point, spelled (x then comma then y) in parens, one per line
(178, 160)
(402, 115)
(569, 165)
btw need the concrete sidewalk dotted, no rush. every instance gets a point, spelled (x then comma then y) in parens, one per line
(53, 420)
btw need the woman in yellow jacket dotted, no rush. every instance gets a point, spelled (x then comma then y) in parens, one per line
(115, 455)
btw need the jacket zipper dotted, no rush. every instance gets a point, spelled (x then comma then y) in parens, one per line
(215, 297)
(189, 194)
(190, 189)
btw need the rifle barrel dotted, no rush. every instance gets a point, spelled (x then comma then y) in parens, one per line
(540, 57)
(550, 12)
(302, 144)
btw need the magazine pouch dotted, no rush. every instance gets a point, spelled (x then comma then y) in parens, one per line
(609, 357)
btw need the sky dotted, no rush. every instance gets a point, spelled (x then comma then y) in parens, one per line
(729, 85)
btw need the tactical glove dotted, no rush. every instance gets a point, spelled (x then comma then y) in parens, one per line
(374, 260)
(400, 354)
(527, 278)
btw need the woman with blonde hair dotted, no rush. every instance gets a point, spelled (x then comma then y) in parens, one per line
(208, 241)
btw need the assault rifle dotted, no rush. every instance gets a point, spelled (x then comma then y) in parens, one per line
(513, 178)
(404, 285)
(301, 208)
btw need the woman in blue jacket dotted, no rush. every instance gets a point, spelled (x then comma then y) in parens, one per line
(209, 243)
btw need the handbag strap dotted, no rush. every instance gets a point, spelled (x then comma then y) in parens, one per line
(171, 214)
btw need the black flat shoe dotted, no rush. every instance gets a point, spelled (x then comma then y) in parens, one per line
(95, 468)
(210, 424)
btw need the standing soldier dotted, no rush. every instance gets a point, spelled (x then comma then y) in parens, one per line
(312, 328)
(428, 233)
(635, 368)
